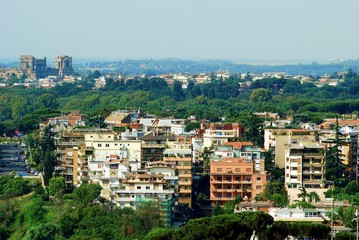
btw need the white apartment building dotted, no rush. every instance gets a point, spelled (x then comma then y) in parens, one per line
(112, 159)
(217, 137)
(142, 186)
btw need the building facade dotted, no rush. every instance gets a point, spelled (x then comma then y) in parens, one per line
(230, 177)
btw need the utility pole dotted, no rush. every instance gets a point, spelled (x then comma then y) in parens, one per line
(356, 219)
(331, 228)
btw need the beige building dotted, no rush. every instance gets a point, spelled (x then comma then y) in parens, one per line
(218, 134)
(181, 158)
(276, 139)
(5, 73)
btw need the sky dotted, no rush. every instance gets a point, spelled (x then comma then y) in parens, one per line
(243, 30)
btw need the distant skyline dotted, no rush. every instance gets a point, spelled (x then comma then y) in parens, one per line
(238, 30)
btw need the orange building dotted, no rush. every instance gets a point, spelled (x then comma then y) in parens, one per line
(230, 177)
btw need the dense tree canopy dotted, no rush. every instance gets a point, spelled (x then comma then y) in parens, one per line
(21, 109)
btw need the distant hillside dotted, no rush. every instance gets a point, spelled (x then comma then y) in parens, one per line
(154, 67)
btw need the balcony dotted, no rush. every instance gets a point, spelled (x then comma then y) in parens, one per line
(313, 181)
(123, 199)
(185, 191)
(74, 143)
(213, 198)
(216, 181)
(189, 183)
(188, 175)
(144, 191)
(313, 154)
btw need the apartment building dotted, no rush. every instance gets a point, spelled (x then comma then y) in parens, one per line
(275, 140)
(112, 159)
(82, 155)
(305, 168)
(181, 158)
(218, 134)
(153, 145)
(142, 185)
(230, 177)
(348, 149)
(67, 144)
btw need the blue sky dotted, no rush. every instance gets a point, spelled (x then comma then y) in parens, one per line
(287, 30)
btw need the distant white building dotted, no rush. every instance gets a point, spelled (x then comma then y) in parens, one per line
(299, 214)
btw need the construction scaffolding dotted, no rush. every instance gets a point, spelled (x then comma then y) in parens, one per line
(164, 207)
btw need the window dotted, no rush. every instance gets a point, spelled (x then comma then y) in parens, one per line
(148, 187)
(138, 187)
(228, 179)
(228, 170)
(248, 169)
(248, 179)
(116, 144)
(228, 195)
(219, 195)
(219, 178)
(107, 145)
(259, 179)
(237, 179)
(237, 170)
(99, 145)
(219, 169)
(258, 187)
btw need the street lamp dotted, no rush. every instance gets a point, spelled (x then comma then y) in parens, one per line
(331, 225)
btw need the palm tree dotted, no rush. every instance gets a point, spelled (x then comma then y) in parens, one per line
(303, 194)
(313, 197)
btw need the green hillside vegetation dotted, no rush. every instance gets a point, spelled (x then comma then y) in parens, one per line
(81, 214)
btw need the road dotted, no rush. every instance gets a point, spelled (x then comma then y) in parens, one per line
(12, 159)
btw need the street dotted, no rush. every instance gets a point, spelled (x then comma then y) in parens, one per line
(12, 158)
